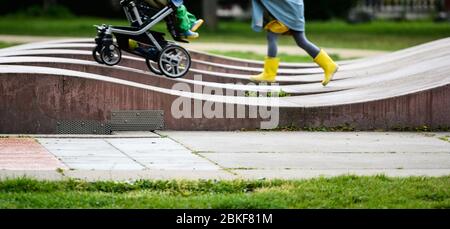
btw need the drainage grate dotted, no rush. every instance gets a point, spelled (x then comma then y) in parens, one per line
(137, 120)
(83, 127)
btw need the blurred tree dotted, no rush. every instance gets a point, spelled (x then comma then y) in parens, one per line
(328, 9)
(48, 3)
(115, 4)
(315, 9)
(243, 3)
(210, 13)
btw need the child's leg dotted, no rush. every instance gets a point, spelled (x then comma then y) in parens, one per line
(195, 23)
(271, 63)
(272, 44)
(192, 18)
(184, 23)
(305, 44)
(319, 55)
(187, 23)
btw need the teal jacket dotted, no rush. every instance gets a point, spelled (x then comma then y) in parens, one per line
(289, 12)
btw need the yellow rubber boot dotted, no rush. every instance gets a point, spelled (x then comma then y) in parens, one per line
(328, 66)
(270, 71)
(197, 25)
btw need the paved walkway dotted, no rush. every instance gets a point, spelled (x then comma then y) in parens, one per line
(202, 46)
(26, 154)
(291, 50)
(28, 39)
(225, 155)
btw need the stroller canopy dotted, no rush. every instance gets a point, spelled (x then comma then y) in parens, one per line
(163, 3)
(177, 3)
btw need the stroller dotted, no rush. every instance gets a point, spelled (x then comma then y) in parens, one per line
(162, 57)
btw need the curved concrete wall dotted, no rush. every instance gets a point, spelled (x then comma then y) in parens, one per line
(45, 82)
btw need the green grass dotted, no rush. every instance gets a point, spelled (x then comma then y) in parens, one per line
(380, 35)
(445, 138)
(6, 45)
(339, 192)
(256, 56)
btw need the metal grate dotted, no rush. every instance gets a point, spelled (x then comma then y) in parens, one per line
(137, 120)
(83, 127)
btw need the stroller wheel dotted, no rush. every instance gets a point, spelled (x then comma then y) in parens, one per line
(174, 61)
(111, 55)
(96, 55)
(153, 66)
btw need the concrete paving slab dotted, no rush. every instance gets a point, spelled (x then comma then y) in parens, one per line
(135, 134)
(288, 155)
(125, 154)
(307, 174)
(128, 175)
(161, 154)
(118, 175)
(322, 161)
(89, 154)
(310, 142)
(99, 165)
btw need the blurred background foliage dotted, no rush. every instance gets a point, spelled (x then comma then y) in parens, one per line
(316, 9)
(361, 24)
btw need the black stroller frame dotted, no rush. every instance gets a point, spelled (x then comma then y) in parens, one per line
(162, 57)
